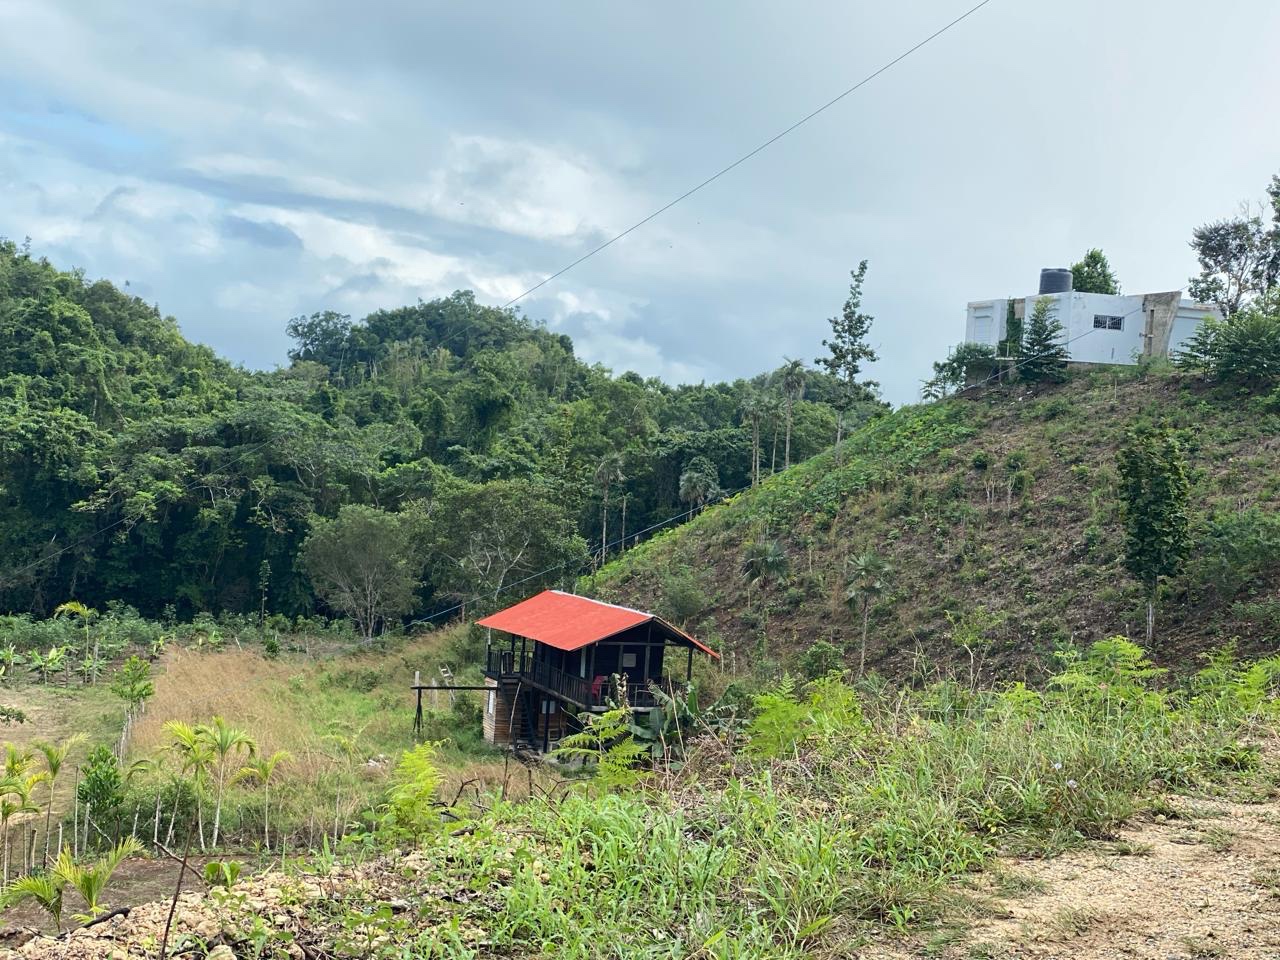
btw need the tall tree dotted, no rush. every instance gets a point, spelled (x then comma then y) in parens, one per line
(1093, 274)
(608, 473)
(792, 377)
(848, 350)
(365, 563)
(479, 538)
(1044, 352)
(1239, 259)
(752, 410)
(1155, 494)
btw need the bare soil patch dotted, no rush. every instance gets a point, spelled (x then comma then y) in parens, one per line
(1205, 884)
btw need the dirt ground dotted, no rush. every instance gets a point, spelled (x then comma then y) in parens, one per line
(1204, 882)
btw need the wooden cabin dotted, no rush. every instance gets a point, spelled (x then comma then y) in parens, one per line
(554, 656)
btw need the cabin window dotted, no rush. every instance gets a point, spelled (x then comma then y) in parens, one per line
(1102, 321)
(628, 661)
(493, 698)
(548, 706)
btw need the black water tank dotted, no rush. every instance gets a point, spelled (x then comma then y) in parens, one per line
(1055, 280)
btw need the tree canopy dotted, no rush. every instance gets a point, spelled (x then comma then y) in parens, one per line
(137, 466)
(1093, 274)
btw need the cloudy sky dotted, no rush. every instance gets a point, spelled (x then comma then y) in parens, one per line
(241, 163)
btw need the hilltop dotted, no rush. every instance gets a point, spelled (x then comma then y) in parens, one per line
(999, 517)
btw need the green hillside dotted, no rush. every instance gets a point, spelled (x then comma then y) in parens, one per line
(999, 518)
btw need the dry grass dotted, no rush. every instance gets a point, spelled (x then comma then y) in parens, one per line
(240, 685)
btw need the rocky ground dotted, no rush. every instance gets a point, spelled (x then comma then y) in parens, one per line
(1200, 880)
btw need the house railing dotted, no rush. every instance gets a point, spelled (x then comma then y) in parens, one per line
(589, 692)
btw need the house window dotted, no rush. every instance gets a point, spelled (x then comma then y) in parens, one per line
(493, 696)
(1102, 321)
(628, 661)
(548, 706)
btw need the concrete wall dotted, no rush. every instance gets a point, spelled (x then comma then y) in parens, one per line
(986, 321)
(1142, 319)
(1187, 321)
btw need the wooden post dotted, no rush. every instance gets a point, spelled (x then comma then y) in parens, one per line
(689, 672)
(417, 716)
(75, 818)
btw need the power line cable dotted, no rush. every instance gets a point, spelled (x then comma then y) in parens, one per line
(747, 156)
(591, 253)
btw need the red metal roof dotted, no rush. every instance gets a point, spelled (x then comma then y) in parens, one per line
(569, 622)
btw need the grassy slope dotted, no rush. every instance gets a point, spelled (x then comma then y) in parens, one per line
(1046, 562)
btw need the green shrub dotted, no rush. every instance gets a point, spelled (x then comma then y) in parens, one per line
(1233, 548)
(822, 657)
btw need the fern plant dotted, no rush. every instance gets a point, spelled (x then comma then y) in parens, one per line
(607, 744)
(412, 808)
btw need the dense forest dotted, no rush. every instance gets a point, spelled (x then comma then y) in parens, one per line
(136, 466)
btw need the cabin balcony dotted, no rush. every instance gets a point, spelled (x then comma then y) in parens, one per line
(587, 693)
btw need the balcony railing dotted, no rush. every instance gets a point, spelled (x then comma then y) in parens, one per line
(586, 692)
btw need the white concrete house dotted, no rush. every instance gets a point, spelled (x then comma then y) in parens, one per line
(1100, 327)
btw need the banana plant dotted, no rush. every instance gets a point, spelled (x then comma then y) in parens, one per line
(45, 665)
(10, 658)
(669, 723)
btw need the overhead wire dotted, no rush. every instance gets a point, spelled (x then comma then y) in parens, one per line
(46, 558)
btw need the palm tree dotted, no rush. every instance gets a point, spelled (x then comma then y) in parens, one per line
(196, 756)
(700, 483)
(45, 889)
(15, 798)
(608, 472)
(868, 576)
(223, 741)
(90, 881)
(752, 410)
(55, 755)
(792, 375)
(74, 608)
(764, 560)
(262, 769)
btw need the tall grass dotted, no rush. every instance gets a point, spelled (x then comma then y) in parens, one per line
(848, 808)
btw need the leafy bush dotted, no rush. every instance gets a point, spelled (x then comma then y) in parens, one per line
(1234, 547)
(681, 598)
(821, 658)
(1242, 349)
(102, 784)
